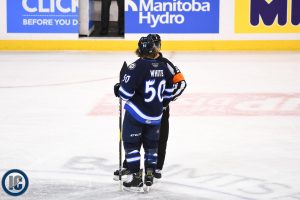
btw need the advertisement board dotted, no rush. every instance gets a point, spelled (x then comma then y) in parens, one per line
(42, 16)
(172, 16)
(267, 16)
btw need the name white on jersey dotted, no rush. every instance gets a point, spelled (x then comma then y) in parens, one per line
(157, 73)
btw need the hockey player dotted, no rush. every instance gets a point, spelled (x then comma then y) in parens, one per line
(179, 85)
(146, 87)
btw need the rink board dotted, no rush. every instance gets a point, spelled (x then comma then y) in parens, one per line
(215, 25)
(130, 45)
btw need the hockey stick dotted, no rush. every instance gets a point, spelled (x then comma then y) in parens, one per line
(120, 143)
(120, 128)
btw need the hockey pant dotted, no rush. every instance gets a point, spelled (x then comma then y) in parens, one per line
(136, 134)
(163, 139)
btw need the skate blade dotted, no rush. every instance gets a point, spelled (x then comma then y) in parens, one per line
(148, 188)
(116, 178)
(134, 189)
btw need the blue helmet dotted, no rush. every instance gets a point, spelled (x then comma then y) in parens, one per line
(146, 45)
(156, 39)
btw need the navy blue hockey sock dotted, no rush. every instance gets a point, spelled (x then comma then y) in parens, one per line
(150, 159)
(133, 158)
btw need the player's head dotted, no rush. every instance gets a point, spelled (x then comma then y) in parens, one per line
(156, 39)
(146, 47)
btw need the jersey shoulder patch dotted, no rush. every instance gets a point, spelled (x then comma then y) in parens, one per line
(131, 66)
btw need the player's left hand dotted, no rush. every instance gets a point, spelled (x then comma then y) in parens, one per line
(116, 89)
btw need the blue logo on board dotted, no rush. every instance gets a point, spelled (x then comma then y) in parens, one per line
(42, 16)
(172, 16)
(269, 10)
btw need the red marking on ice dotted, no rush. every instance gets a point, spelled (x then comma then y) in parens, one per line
(219, 104)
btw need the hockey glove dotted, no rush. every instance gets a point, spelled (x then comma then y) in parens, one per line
(116, 89)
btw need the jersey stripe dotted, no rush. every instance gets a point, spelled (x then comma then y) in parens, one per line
(125, 95)
(180, 88)
(171, 69)
(140, 116)
(171, 90)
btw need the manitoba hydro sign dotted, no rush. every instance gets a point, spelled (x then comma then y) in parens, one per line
(172, 16)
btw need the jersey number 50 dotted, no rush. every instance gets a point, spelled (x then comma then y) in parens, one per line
(150, 88)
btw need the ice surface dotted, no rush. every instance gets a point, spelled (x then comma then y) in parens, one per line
(234, 133)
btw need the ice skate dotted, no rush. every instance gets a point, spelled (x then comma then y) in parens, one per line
(134, 182)
(157, 174)
(148, 179)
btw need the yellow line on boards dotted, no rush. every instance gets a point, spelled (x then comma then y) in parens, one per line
(130, 45)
